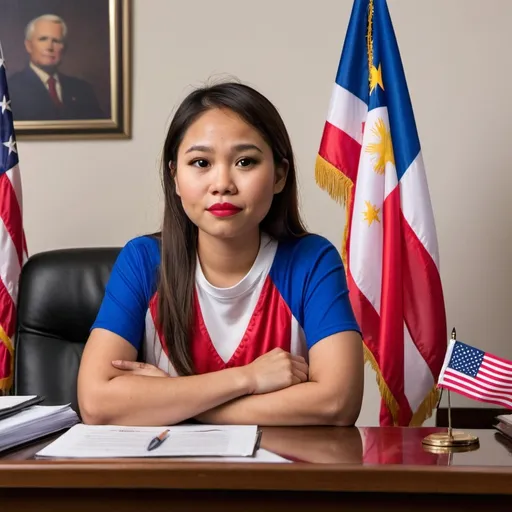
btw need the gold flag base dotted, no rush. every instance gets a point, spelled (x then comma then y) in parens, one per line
(442, 442)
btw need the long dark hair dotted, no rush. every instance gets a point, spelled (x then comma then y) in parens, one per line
(179, 235)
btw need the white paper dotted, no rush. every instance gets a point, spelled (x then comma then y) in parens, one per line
(106, 441)
(34, 422)
(6, 402)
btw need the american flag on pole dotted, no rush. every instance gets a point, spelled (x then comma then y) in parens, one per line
(476, 374)
(13, 250)
(370, 160)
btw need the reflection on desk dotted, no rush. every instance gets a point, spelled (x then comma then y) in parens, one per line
(304, 444)
(379, 446)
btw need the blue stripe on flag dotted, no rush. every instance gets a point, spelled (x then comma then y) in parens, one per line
(353, 67)
(406, 144)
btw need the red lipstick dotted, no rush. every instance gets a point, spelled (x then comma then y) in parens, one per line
(224, 209)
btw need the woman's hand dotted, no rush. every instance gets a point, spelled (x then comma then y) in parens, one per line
(137, 368)
(276, 370)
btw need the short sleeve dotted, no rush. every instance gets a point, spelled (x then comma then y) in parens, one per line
(129, 290)
(326, 308)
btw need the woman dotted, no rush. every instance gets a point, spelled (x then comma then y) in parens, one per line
(239, 315)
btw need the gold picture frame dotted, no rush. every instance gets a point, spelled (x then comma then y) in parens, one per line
(112, 89)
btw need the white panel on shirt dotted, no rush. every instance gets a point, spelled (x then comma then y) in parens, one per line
(298, 346)
(153, 351)
(227, 311)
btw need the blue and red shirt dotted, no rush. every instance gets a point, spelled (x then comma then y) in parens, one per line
(294, 295)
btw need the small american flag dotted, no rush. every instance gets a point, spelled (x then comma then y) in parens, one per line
(477, 374)
(13, 251)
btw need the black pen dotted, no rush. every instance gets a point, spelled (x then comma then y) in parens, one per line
(158, 440)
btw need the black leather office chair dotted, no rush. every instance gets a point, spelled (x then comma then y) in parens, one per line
(60, 293)
(470, 417)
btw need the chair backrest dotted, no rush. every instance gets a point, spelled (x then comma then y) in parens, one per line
(469, 417)
(59, 295)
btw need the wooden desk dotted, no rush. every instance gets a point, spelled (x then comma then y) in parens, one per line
(345, 469)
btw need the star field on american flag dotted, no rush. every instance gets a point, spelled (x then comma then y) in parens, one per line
(466, 359)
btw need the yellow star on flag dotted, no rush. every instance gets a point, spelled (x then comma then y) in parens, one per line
(371, 214)
(376, 78)
(383, 149)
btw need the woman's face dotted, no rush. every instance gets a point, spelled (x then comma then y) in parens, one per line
(226, 176)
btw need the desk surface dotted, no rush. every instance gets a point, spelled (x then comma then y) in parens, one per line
(390, 460)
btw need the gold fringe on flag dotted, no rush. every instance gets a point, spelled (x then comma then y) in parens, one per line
(426, 408)
(6, 382)
(339, 187)
(385, 392)
(331, 179)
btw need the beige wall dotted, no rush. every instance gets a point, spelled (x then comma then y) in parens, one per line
(457, 65)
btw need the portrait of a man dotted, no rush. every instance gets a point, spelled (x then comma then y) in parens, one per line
(68, 67)
(40, 91)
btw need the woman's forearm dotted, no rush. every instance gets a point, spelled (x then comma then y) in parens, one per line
(141, 400)
(303, 404)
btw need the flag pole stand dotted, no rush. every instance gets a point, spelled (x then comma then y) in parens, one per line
(450, 441)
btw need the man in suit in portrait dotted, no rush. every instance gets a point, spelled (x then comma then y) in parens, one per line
(40, 92)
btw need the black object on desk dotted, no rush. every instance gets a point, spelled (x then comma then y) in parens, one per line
(15, 409)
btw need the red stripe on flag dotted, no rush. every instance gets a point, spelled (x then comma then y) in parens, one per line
(494, 381)
(369, 321)
(349, 220)
(478, 396)
(366, 316)
(391, 310)
(449, 382)
(504, 376)
(496, 367)
(479, 383)
(7, 311)
(10, 214)
(498, 361)
(25, 248)
(424, 311)
(340, 150)
(5, 361)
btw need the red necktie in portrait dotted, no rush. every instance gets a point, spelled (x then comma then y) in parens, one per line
(52, 89)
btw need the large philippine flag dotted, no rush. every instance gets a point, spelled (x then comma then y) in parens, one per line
(370, 160)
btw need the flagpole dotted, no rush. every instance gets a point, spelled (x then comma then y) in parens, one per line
(450, 435)
(449, 412)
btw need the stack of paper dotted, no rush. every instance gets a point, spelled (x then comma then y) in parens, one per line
(10, 405)
(32, 422)
(105, 441)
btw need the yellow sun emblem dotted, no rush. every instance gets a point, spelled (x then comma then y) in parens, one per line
(376, 78)
(371, 214)
(383, 149)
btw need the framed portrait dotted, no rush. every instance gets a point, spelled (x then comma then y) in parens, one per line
(68, 67)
